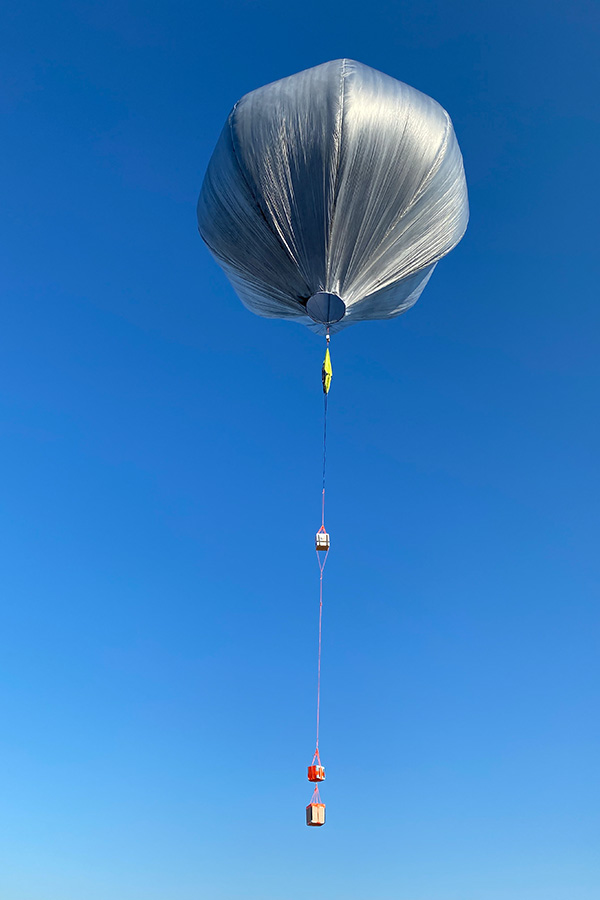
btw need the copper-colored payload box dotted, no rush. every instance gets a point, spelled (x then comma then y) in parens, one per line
(315, 814)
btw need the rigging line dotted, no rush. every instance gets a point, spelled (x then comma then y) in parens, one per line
(324, 458)
(321, 568)
(319, 663)
(325, 396)
(321, 565)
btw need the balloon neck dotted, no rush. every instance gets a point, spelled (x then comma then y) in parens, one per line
(326, 308)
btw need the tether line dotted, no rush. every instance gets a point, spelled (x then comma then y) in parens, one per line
(323, 560)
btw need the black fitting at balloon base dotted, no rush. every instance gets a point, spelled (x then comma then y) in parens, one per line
(326, 308)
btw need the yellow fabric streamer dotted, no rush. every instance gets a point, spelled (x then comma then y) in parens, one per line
(326, 372)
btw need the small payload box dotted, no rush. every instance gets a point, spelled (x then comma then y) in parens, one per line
(315, 814)
(316, 773)
(322, 540)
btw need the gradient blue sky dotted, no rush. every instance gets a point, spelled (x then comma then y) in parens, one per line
(160, 450)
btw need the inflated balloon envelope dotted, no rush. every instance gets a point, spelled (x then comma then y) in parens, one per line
(332, 194)
(329, 199)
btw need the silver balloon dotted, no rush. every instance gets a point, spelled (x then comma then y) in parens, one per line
(332, 194)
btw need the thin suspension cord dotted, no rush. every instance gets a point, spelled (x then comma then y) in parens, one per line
(325, 396)
(319, 663)
(321, 568)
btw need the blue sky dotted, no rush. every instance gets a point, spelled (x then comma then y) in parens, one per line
(161, 457)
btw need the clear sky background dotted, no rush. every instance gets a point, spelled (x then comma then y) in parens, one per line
(160, 453)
